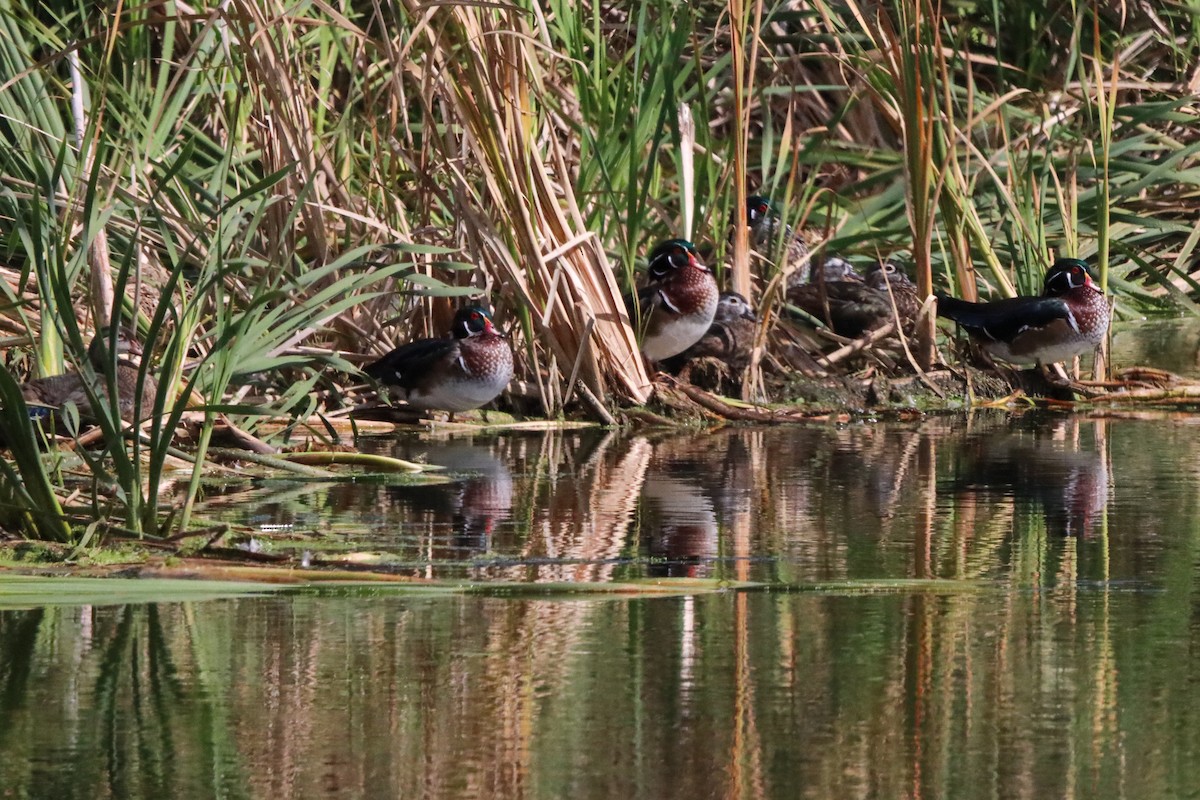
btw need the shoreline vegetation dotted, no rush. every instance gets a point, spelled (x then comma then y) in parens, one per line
(272, 195)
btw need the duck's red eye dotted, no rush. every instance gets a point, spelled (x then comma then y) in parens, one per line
(475, 317)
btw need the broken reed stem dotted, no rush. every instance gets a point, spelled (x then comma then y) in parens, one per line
(101, 273)
(740, 273)
(583, 350)
(858, 345)
(596, 405)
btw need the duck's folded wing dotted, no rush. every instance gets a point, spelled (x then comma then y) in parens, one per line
(1004, 320)
(408, 361)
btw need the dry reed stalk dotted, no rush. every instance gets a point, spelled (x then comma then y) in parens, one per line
(687, 169)
(857, 346)
(741, 268)
(284, 128)
(487, 66)
(742, 84)
(101, 269)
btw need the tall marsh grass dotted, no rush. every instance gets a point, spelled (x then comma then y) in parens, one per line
(279, 183)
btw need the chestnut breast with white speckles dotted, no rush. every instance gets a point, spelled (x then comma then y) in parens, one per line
(463, 371)
(472, 374)
(681, 309)
(1079, 332)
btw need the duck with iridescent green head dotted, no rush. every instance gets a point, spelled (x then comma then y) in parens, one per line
(677, 305)
(1069, 318)
(465, 370)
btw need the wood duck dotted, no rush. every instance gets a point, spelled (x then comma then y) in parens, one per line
(766, 232)
(1069, 318)
(836, 268)
(887, 274)
(849, 307)
(729, 340)
(678, 303)
(47, 396)
(462, 371)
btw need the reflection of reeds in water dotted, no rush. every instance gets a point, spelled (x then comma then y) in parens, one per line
(1012, 684)
(579, 523)
(906, 694)
(932, 672)
(960, 683)
(613, 498)
(745, 755)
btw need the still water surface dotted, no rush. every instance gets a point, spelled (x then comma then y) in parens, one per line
(994, 606)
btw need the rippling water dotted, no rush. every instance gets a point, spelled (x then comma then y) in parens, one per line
(994, 605)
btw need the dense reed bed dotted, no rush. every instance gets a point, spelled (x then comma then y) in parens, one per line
(270, 189)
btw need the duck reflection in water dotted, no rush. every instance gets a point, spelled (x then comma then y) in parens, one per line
(1053, 467)
(678, 527)
(695, 484)
(478, 499)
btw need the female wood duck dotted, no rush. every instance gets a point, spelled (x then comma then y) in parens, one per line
(885, 275)
(836, 268)
(46, 396)
(463, 371)
(849, 307)
(678, 303)
(1069, 318)
(730, 338)
(766, 231)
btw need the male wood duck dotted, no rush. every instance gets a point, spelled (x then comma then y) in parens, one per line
(730, 338)
(46, 396)
(678, 303)
(766, 231)
(887, 274)
(465, 370)
(1069, 318)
